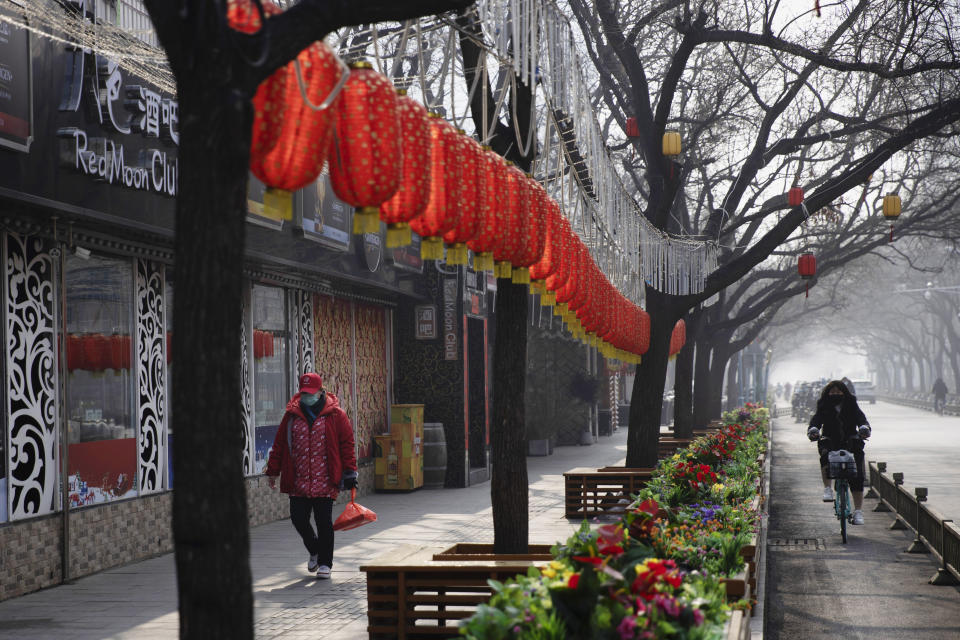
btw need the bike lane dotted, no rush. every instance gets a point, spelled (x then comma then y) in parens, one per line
(817, 587)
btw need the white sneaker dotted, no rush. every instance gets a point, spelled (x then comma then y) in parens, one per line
(323, 572)
(313, 563)
(828, 494)
(857, 517)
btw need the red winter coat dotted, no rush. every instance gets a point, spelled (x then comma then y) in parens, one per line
(340, 447)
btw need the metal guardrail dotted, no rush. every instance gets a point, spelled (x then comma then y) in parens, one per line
(933, 533)
(921, 401)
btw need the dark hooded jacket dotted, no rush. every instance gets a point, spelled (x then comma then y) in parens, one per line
(840, 425)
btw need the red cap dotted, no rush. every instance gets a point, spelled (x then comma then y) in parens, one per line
(310, 383)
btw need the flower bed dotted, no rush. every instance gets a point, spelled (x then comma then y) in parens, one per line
(673, 566)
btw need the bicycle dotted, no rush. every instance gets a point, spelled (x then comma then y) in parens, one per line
(939, 404)
(841, 469)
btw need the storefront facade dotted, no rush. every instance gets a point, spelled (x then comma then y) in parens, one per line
(88, 181)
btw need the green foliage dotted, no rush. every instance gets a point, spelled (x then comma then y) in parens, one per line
(655, 572)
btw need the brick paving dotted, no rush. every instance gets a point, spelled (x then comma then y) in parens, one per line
(140, 600)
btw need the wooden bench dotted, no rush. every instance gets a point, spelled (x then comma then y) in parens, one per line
(412, 596)
(666, 447)
(592, 492)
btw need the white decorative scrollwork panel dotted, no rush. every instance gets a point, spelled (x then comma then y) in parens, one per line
(305, 332)
(247, 391)
(31, 377)
(151, 389)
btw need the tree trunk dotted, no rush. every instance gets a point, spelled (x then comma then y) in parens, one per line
(683, 382)
(733, 383)
(646, 399)
(210, 526)
(508, 435)
(702, 382)
(718, 366)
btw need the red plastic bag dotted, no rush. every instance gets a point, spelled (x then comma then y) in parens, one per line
(354, 515)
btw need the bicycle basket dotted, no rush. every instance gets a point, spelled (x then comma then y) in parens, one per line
(841, 465)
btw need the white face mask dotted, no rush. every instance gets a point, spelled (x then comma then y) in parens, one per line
(310, 399)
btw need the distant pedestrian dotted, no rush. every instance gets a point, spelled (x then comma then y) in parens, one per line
(314, 455)
(939, 395)
(786, 391)
(849, 384)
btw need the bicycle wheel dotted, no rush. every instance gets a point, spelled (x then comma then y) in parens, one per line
(842, 509)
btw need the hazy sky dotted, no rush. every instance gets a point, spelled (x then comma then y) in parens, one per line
(817, 360)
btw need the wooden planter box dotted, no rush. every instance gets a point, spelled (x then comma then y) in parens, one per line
(737, 587)
(666, 447)
(475, 551)
(591, 492)
(412, 596)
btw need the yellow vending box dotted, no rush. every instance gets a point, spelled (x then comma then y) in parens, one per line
(396, 466)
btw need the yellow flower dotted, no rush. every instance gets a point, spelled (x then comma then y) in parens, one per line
(676, 457)
(717, 488)
(549, 572)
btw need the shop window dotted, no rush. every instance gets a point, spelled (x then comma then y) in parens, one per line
(102, 452)
(271, 367)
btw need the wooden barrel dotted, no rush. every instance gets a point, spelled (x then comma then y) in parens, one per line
(434, 455)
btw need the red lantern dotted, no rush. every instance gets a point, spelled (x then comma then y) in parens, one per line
(270, 101)
(515, 222)
(678, 337)
(413, 194)
(795, 196)
(75, 355)
(119, 352)
(442, 212)
(471, 166)
(536, 231)
(489, 210)
(550, 258)
(96, 351)
(807, 266)
(633, 129)
(366, 159)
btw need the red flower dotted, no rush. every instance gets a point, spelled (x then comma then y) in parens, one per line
(573, 581)
(589, 560)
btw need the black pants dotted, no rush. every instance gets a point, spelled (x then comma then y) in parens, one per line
(319, 543)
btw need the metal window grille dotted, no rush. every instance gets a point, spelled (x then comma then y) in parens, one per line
(132, 17)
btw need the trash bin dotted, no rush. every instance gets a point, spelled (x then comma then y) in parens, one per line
(434, 455)
(604, 427)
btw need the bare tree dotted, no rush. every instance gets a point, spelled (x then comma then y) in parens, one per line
(763, 98)
(217, 72)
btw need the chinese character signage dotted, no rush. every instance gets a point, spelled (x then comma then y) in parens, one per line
(426, 318)
(16, 91)
(130, 133)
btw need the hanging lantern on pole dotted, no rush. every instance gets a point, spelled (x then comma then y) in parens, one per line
(633, 128)
(549, 260)
(313, 85)
(807, 267)
(795, 196)
(891, 209)
(672, 146)
(413, 194)
(515, 222)
(366, 160)
(469, 158)
(442, 212)
(489, 210)
(536, 232)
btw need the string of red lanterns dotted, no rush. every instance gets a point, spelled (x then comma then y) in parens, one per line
(397, 164)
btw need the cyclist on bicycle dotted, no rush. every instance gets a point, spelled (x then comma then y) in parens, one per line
(939, 395)
(838, 423)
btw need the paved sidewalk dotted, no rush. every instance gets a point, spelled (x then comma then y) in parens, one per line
(140, 600)
(819, 588)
